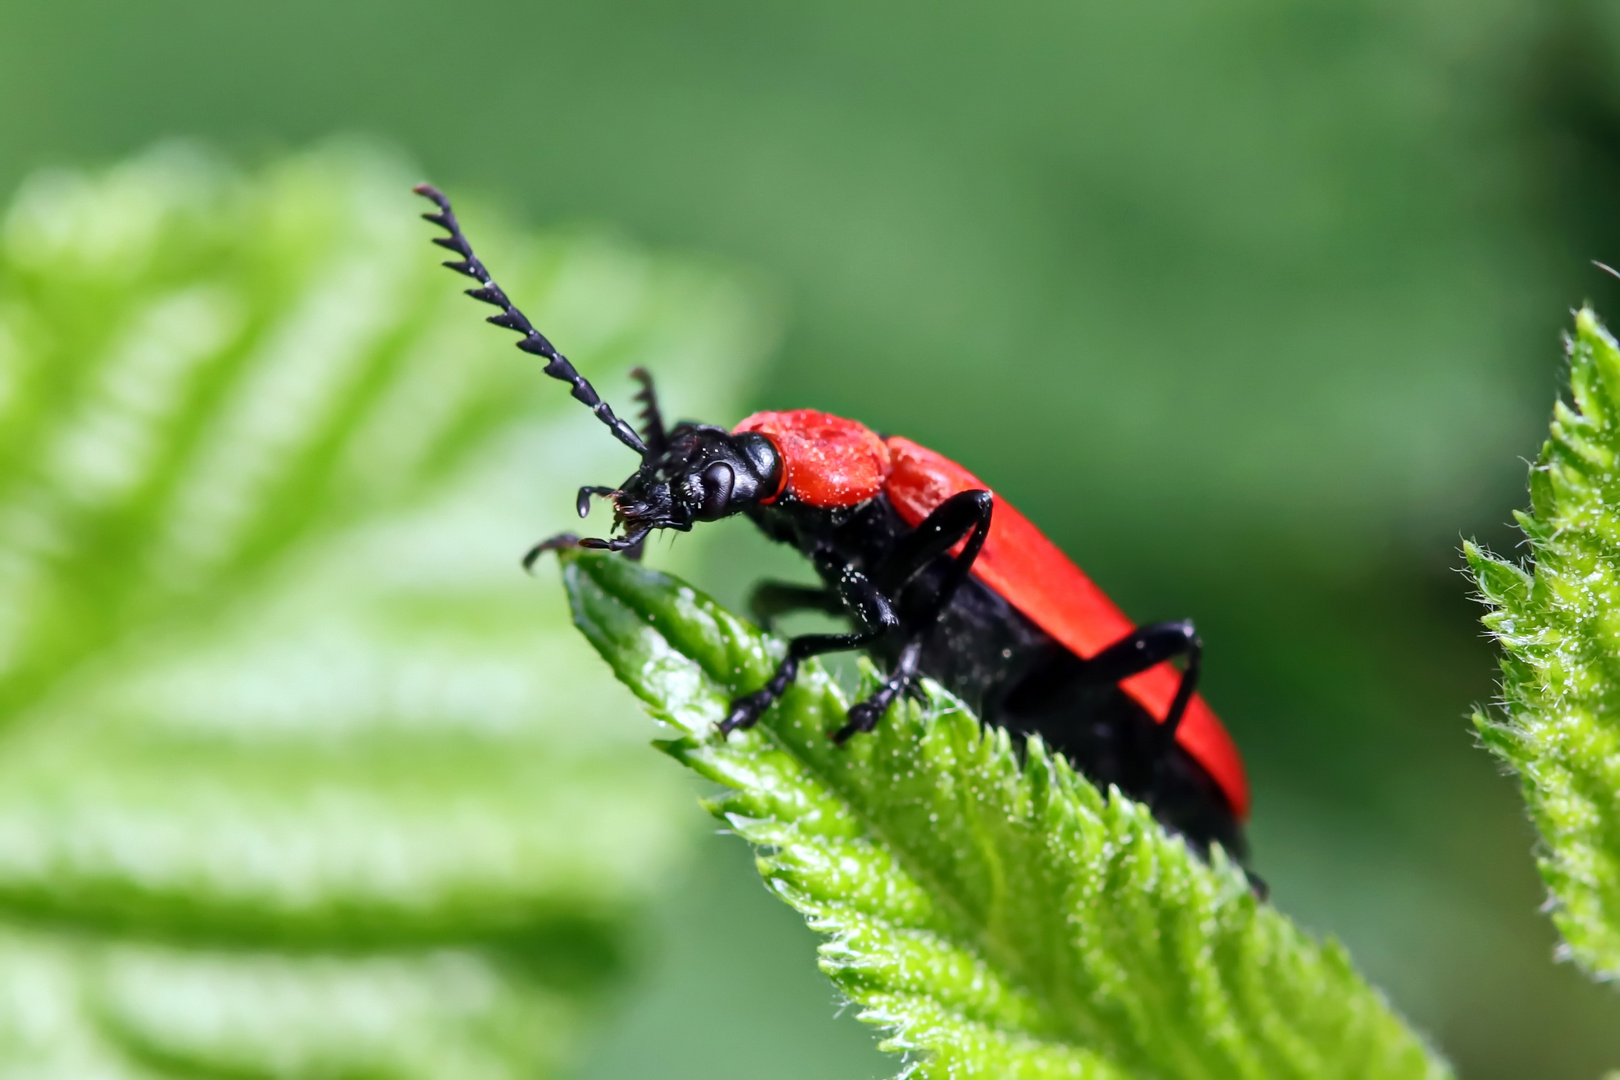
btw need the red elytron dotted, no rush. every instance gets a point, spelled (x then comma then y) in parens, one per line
(832, 462)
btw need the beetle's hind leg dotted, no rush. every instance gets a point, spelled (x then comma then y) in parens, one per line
(1147, 647)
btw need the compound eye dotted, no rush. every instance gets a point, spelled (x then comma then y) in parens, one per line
(718, 480)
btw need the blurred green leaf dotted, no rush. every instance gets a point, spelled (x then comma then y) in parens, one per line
(999, 919)
(1560, 628)
(291, 777)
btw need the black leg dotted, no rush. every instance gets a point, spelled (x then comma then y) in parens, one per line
(582, 504)
(633, 546)
(860, 599)
(560, 542)
(1148, 646)
(870, 605)
(746, 711)
(864, 716)
(773, 598)
(965, 514)
(582, 501)
(1257, 885)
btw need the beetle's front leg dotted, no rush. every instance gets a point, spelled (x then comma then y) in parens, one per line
(773, 598)
(872, 612)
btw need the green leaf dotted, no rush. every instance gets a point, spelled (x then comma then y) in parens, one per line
(292, 780)
(999, 917)
(1559, 723)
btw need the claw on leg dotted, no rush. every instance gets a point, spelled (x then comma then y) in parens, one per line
(560, 542)
(862, 718)
(745, 712)
(865, 715)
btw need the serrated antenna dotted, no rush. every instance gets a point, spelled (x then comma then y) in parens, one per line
(652, 420)
(557, 365)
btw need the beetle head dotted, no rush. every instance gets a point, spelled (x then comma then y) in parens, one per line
(702, 473)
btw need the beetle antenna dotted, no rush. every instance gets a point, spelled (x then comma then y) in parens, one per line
(557, 365)
(652, 421)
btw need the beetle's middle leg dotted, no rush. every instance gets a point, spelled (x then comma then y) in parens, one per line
(964, 515)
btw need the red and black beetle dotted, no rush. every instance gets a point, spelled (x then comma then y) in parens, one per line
(938, 578)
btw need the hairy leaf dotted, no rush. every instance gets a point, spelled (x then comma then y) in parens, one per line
(1559, 625)
(996, 913)
(291, 778)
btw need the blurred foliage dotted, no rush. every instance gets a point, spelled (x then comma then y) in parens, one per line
(1250, 306)
(1560, 626)
(291, 778)
(991, 909)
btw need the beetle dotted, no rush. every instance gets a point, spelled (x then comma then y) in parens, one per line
(937, 576)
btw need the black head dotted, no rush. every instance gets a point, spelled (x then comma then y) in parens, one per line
(691, 473)
(701, 473)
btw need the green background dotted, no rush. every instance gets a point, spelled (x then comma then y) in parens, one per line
(1254, 307)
